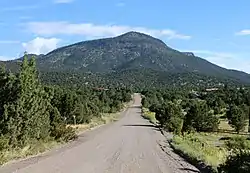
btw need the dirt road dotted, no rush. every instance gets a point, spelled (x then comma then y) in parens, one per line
(130, 145)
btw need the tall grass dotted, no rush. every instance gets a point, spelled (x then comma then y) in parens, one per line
(199, 148)
(34, 148)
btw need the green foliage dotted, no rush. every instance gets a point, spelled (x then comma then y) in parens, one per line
(199, 118)
(238, 143)
(4, 142)
(32, 113)
(239, 159)
(237, 117)
(170, 117)
(239, 162)
(197, 148)
(26, 118)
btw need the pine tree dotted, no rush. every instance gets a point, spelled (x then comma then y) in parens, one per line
(236, 117)
(249, 120)
(27, 117)
(200, 119)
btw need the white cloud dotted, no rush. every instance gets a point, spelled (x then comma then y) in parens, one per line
(244, 32)
(19, 8)
(120, 4)
(238, 61)
(90, 30)
(9, 42)
(41, 45)
(63, 1)
(6, 58)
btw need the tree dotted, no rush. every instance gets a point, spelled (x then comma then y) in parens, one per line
(237, 117)
(170, 116)
(249, 120)
(145, 102)
(27, 117)
(200, 119)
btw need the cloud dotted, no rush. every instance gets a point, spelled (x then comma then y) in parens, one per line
(244, 32)
(63, 1)
(120, 4)
(6, 58)
(41, 45)
(227, 60)
(9, 42)
(19, 8)
(91, 30)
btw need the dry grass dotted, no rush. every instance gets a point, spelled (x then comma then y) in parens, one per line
(98, 121)
(200, 147)
(95, 122)
(224, 126)
(149, 115)
(34, 148)
(207, 147)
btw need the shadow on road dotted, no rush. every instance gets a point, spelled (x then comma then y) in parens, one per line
(140, 125)
(135, 106)
(143, 125)
(187, 169)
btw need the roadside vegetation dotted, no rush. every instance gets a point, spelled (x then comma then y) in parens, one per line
(35, 117)
(210, 126)
(149, 115)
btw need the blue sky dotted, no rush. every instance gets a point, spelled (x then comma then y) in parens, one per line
(218, 31)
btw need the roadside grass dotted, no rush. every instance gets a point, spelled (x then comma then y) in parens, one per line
(95, 122)
(105, 118)
(200, 147)
(38, 147)
(208, 148)
(34, 148)
(149, 115)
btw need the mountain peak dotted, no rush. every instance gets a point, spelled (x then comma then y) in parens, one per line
(134, 34)
(141, 37)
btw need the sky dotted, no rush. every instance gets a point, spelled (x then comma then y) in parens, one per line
(218, 31)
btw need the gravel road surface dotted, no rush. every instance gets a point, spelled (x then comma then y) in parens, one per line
(130, 145)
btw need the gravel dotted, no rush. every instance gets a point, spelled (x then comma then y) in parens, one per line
(130, 145)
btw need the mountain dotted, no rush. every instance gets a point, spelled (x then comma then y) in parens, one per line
(128, 52)
(132, 50)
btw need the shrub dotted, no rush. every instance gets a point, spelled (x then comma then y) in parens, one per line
(4, 143)
(239, 159)
(237, 163)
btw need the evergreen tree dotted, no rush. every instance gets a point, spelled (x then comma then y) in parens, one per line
(200, 119)
(27, 117)
(170, 116)
(237, 117)
(249, 120)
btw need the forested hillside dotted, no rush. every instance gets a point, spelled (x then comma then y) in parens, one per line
(129, 56)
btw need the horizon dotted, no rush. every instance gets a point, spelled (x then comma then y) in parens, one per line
(216, 34)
